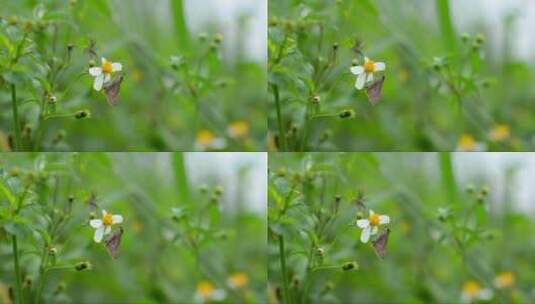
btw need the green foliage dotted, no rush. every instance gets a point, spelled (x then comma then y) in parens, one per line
(437, 248)
(442, 91)
(170, 245)
(48, 47)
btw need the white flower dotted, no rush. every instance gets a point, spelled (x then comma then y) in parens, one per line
(206, 292)
(467, 143)
(472, 291)
(103, 226)
(365, 72)
(370, 226)
(103, 73)
(208, 140)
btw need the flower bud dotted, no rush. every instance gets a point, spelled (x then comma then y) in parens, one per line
(203, 189)
(218, 190)
(218, 38)
(81, 266)
(346, 114)
(480, 39)
(320, 252)
(82, 114)
(59, 289)
(52, 99)
(316, 99)
(13, 20)
(52, 251)
(465, 37)
(92, 63)
(27, 283)
(203, 37)
(335, 46)
(350, 266)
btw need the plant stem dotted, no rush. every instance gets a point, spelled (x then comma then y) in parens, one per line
(42, 274)
(305, 128)
(18, 281)
(285, 291)
(16, 124)
(282, 136)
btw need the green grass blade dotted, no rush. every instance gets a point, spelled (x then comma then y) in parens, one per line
(448, 177)
(446, 24)
(180, 26)
(181, 177)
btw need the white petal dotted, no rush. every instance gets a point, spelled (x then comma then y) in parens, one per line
(97, 85)
(363, 223)
(116, 219)
(485, 294)
(218, 295)
(365, 235)
(361, 79)
(357, 70)
(116, 67)
(379, 66)
(370, 77)
(366, 59)
(384, 219)
(96, 223)
(107, 78)
(102, 59)
(375, 229)
(99, 233)
(107, 230)
(104, 212)
(371, 212)
(218, 143)
(95, 71)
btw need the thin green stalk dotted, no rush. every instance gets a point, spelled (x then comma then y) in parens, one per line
(448, 177)
(285, 290)
(181, 177)
(42, 275)
(446, 24)
(282, 135)
(305, 128)
(16, 124)
(18, 280)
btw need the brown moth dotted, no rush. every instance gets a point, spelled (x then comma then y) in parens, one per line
(374, 90)
(112, 90)
(380, 244)
(113, 242)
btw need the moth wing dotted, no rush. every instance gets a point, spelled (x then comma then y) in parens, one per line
(374, 90)
(379, 245)
(113, 242)
(112, 90)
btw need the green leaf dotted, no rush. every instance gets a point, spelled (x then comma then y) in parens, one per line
(181, 178)
(179, 21)
(8, 194)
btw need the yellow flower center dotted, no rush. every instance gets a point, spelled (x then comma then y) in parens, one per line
(500, 132)
(107, 67)
(373, 219)
(239, 128)
(205, 137)
(369, 66)
(505, 279)
(238, 280)
(107, 219)
(205, 289)
(467, 142)
(471, 288)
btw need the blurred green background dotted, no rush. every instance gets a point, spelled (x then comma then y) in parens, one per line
(184, 89)
(454, 219)
(184, 224)
(418, 111)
